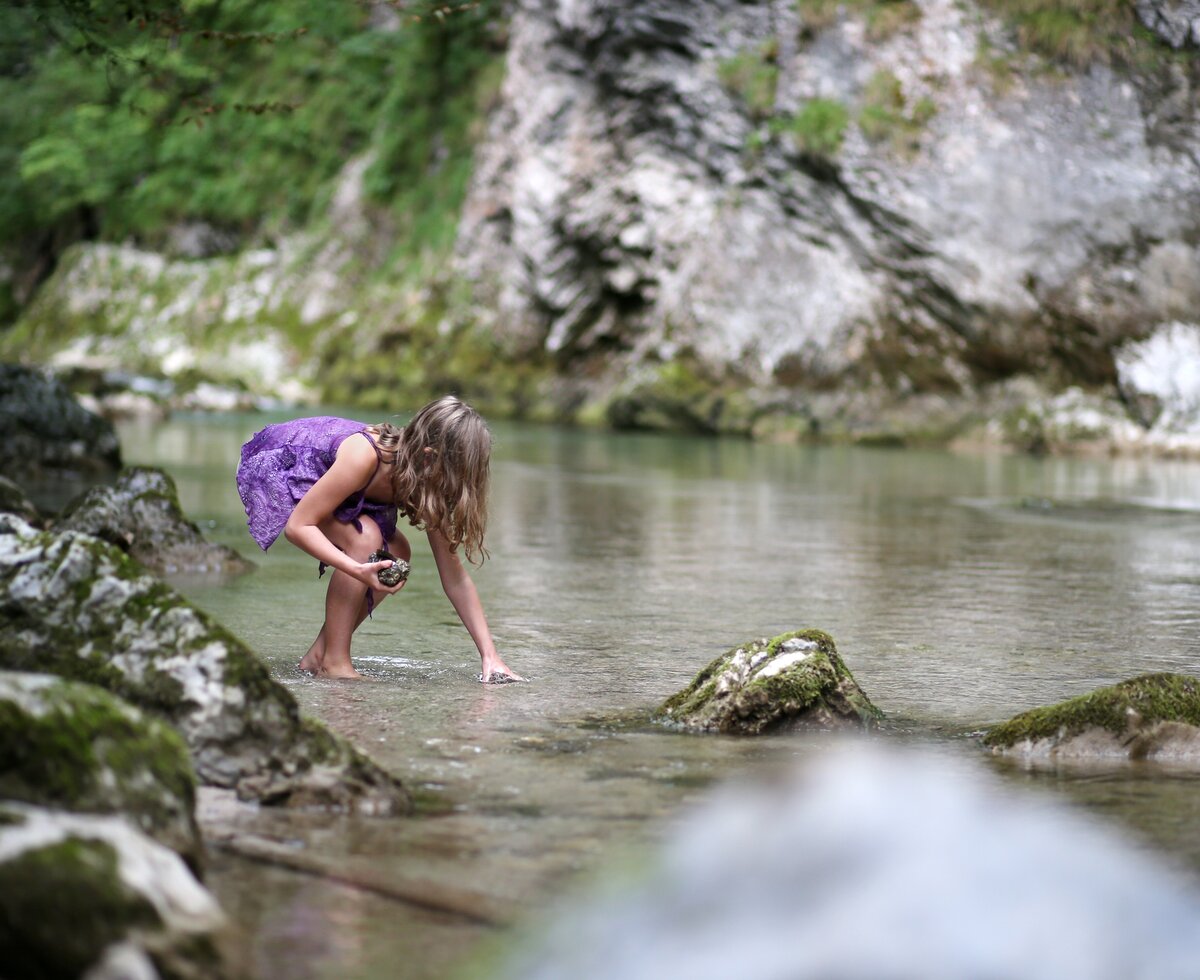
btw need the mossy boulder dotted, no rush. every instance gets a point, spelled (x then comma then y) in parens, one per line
(76, 606)
(140, 514)
(795, 680)
(76, 747)
(91, 895)
(1155, 716)
(45, 431)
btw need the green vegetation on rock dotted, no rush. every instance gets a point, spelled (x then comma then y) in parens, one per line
(886, 116)
(753, 76)
(76, 747)
(1146, 699)
(817, 127)
(883, 17)
(792, 679)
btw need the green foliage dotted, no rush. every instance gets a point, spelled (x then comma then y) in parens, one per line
(887, 117)
(236, 113)
(753, 76)
(1078, 33)
(884, 18)
(817, 128)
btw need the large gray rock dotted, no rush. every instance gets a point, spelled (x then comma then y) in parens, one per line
(45, 431)
(91, 895)
(76, 606)
(76, 747)
(795, 680)
(636, 202)
(140, 514)
(869, 863)
(1155, 716)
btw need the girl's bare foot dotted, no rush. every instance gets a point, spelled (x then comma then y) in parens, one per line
(497, 672)
(339, 674)
(309, 663)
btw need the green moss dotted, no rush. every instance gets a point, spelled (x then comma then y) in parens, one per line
(884, 18)
(753, 76)
(86, 751)
(765, 702)
(61, 906)
(817, 128)
(886, 117)
(683, 396)
(1153, 697)
(1079, 33)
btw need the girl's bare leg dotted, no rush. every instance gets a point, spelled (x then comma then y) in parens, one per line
(346, 600)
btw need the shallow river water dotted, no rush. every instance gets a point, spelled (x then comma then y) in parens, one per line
(960, 590)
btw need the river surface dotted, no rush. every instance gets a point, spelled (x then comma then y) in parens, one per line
(960, 590)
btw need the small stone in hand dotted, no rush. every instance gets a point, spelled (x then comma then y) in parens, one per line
(393, 575)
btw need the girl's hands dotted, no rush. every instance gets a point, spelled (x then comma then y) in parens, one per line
(368, 574)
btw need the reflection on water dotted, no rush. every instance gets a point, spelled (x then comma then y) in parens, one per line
(623, 564)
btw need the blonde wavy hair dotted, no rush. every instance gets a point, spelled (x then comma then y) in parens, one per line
(440, 472)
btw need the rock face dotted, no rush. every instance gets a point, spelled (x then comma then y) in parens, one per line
(75, 747)
(822, 210)
(796, 680)
(1176, 21)
(141, 515)
(90, 895)
(45, 431)
(76, 606)
(1156, 716)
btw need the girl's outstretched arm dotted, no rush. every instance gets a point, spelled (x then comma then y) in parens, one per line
(460, 590)
(351, 470)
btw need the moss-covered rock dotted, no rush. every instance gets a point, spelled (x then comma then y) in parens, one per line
(795, 680)
(43, 429)
(82, 893)
(76, 747)
(141, 515)
(1155, 716)
(73, 605)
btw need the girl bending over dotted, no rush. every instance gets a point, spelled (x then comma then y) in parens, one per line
(335, 488)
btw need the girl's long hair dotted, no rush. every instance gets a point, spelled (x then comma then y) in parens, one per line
(446, 488)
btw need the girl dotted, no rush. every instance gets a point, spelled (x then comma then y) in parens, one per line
(333, 488)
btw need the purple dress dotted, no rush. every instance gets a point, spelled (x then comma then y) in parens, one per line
(281, 463)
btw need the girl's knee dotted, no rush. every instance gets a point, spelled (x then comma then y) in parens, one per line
(357, 542)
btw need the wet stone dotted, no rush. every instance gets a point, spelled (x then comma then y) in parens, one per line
(1155, 716)
(795, 680)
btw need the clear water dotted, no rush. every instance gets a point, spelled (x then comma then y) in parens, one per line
(960, 591)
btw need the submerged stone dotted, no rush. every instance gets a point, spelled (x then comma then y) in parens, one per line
(1155, 716)
(795, 680)
(73, 605)
(76, 747)
(90, 895)
(141, 515)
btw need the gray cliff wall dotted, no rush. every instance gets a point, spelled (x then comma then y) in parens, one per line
(1010, 217)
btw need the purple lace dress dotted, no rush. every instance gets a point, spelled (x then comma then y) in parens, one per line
(281, 463)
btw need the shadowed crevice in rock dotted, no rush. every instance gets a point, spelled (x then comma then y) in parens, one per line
(795, 680)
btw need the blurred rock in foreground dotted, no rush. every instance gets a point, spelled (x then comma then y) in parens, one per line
(795, 680)
(76, 747)
(871, 863)
(84, 895)
(1155, 716)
